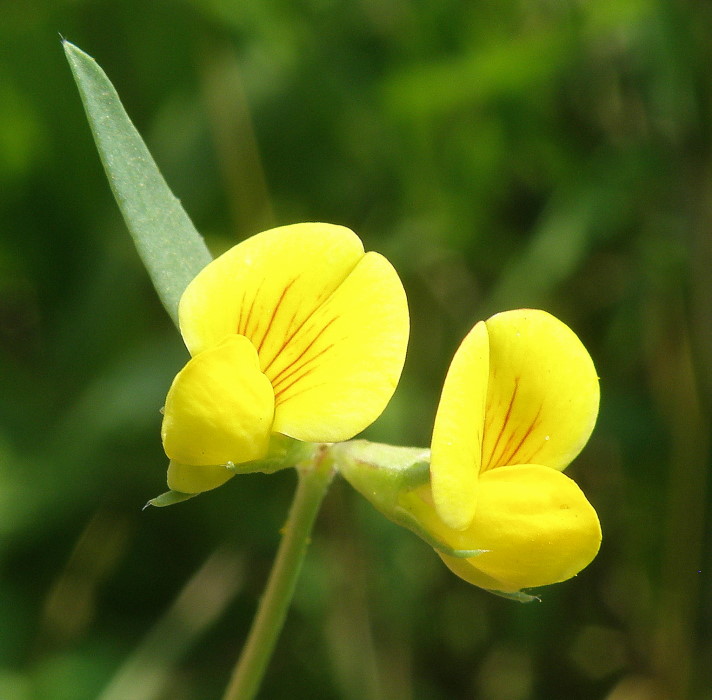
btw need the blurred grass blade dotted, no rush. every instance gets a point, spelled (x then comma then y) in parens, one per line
(150, 671)
(168, 243)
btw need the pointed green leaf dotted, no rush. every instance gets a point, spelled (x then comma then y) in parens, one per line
(284, 452)
(170, 247)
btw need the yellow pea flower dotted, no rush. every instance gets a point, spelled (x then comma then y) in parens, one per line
(295, 331)
(519, 403)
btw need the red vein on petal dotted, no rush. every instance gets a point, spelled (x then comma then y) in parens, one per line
(489, 420)
(537, 450)
(534, 424)
(291, 321)
(302, 366)
(491, 462)
(279, 394)
(241, 315)
(502, 461)
(273, 315)
(320, 302)
(248, 316)
(288, 339)
(283, 400)
(296, 364)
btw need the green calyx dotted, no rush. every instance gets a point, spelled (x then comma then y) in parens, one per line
(389, 477)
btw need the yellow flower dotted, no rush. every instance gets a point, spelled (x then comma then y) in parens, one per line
(519, 403)
(295, 331)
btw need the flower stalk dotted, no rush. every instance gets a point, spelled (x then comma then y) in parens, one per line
(315, 475)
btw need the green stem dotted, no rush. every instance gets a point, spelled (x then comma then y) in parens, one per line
(314, 478)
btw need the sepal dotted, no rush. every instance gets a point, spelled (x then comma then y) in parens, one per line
(518, 596)
(169, 498)
(391, 479)
(188, 480)
(283, 452)
(382, 473)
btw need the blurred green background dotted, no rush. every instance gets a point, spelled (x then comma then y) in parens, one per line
(553, 154)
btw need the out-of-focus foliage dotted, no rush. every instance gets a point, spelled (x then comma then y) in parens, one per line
(507, 154)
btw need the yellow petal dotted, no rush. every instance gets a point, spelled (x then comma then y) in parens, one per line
(457, 435)
(219, 408)
(339, 368)
(267, 287)
(189, 478)
(535, 523)
(542, 398)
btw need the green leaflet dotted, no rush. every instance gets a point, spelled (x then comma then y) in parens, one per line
(168, 243)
